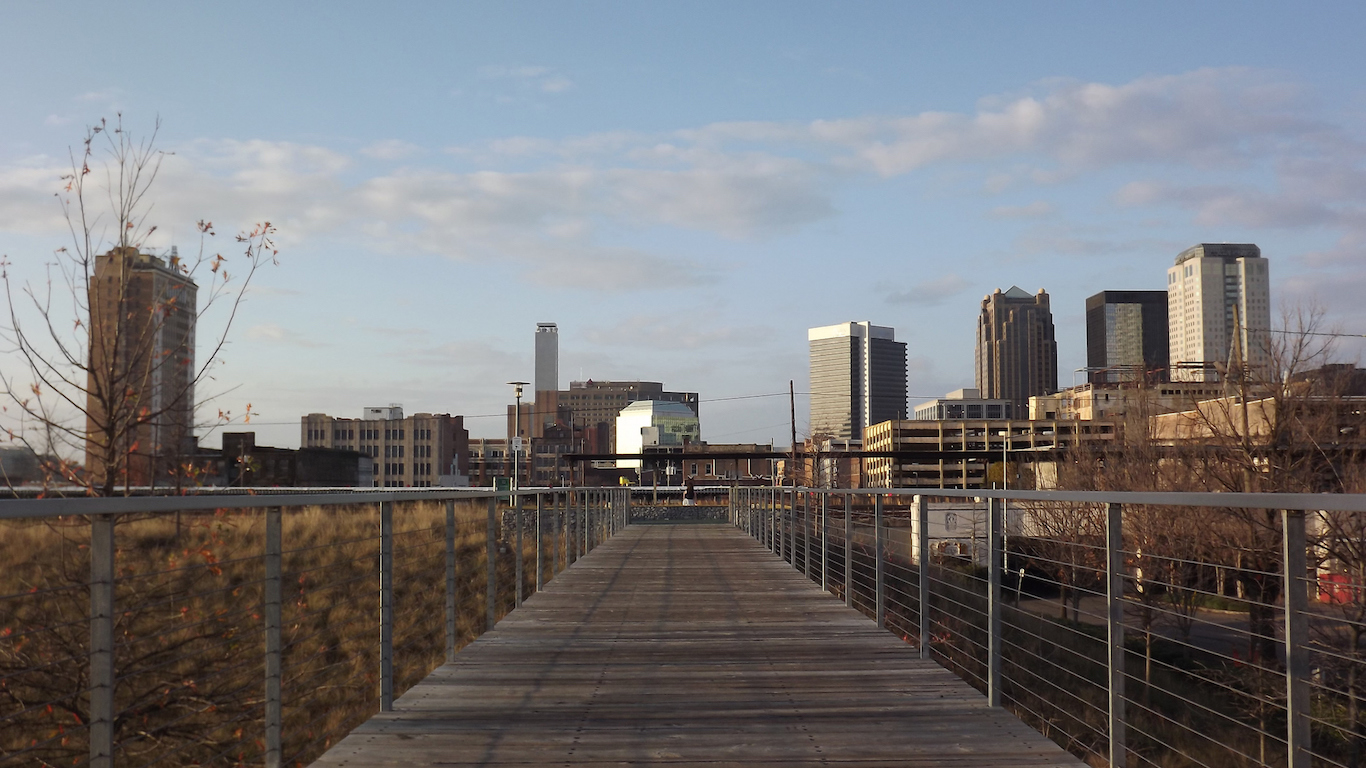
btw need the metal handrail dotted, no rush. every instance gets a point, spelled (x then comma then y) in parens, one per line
(968, 623)
(583, 517)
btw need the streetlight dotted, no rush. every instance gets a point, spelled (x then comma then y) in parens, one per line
(516, 441)
(1005, 443)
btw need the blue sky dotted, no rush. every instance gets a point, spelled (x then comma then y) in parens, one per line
(686, 188)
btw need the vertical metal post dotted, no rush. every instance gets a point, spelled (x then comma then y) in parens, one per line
(540, 549)
(849, 549)
(806, 533)
(571, 529)
(1297, 734)
(825, 542)
(773, 545)
(994, 507)
(583, 523)
(626, 508)
(520, 554)
(879, 601)
(491, 567)
(102, 641)
(1114, 601)
(922, 540)
(556, 531)
(386, 606)
(450, 580)
(791, 509)
(271, 599)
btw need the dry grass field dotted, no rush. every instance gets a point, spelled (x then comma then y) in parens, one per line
(189, 627)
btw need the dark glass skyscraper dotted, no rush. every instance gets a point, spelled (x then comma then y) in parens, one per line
(1126, 336)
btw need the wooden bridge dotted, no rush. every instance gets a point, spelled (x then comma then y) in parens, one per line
(690, 644)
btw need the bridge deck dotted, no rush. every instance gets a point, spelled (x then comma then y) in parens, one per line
(690, 645)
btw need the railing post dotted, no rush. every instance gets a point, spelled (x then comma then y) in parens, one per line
(1114, 601)
(386, 606)
(994, 508)
(519, 555)
(554, 533)
(450, 580)
(775, 525)
(791, 509)
(540, 550)
(571, 546)
(102, 641)
(1298, 737)
(271, 613)
(825, 542)
(491, 567)
(922, 561)
(849, 549)
(806, 533)
(880, 609)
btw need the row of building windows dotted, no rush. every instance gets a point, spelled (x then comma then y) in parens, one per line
(419, 468)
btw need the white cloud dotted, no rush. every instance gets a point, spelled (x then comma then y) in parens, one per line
(272, 333)
(543, 79)
(930, 292)
(565, 212)
(556, 84)
(670, 332)
(391, 149)
(1033, 210)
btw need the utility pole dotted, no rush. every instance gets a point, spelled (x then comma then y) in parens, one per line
(792, 411)
(515, 442)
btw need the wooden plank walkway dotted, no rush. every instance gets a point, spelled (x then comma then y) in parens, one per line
(690, 645)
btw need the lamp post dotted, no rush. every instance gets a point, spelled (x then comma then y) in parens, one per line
(1005, 443)
(515, 442)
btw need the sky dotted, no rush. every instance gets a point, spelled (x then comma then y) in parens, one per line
(686, 188)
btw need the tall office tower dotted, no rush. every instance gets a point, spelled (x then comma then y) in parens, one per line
(140, 387)
(1017, 357)
(1219, 311)
(547, 378)
(858, 378)
(1126, 336)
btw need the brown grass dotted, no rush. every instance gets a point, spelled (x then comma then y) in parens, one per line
(189, 629)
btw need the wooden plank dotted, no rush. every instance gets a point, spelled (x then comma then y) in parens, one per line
(689, 645)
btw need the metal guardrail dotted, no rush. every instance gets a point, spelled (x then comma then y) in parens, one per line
(195, 630)
(1146, 664)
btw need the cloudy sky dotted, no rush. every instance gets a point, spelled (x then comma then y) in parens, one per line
(686, 188)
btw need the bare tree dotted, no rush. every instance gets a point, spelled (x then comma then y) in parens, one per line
(106, 344)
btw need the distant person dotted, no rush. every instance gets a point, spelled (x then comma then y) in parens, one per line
(689, 493)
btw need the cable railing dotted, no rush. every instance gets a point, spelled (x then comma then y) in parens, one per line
(256, 629)
(1134, 629)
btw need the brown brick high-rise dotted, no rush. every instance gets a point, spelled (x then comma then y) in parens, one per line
(1017, 357)
(140, 385)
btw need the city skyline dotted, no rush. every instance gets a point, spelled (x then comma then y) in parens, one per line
(684, 217)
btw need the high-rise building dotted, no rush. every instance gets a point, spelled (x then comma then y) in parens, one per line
(140, 386)
(1017, 356)
(547, 377)
(1126, 336)
(858, 378)
(1219, 311)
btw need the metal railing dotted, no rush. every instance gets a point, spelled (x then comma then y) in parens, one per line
(242, 629)
(1207, 629)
